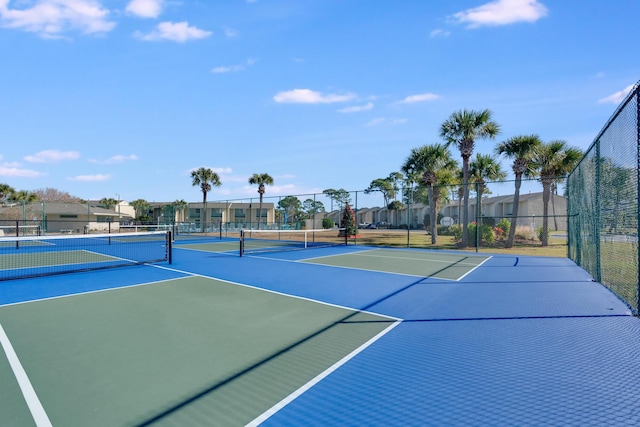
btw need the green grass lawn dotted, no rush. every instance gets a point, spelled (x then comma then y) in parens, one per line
(420, 239)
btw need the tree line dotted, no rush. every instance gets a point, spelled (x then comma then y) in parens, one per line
(430, 168)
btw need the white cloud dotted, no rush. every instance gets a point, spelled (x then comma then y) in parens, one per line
(13, 170)
(307, 96)
(145, 8)
(357, 108)
(439, 33)
(120, 158)
(419, 98)
(50, 156)
(386, 121)
(90, 178)
(50, 18)
(230, 32)
(233, 68)
(502, 12)
(178, 32)
(617, 97)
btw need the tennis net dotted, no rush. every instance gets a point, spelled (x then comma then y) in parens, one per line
(31, 256)
(19, 230)
(254, 241)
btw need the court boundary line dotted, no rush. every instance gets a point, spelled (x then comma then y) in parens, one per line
(38, 413)
(306, 387)
(95, 291)
(357, 253)
(231, 282)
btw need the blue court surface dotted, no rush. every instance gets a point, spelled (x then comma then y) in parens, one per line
(348, 336)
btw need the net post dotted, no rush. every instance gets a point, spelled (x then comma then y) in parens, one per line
(241, 242)
(169, 246)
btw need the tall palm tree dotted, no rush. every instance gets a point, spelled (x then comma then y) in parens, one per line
(108, 202)
(425, 163)
(141, 207)
(550, 161)
(204, 178)
(519, 148)
(261, 179)
(482, 169)
(5, 191)
(180, 206)
(23, 196)
(462, 129)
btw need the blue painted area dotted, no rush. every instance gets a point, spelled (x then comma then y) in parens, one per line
(518, 341)
(529, 372)
(21, 290)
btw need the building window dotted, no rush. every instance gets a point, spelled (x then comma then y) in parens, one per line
(216, 213)
(508, 209)
(240, 213)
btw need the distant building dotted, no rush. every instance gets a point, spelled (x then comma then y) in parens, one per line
(499, 207)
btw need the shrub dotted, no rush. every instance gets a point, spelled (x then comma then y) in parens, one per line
(327, 223)
(505, 225)
(486, 234)
(524, 232)
(456, 232)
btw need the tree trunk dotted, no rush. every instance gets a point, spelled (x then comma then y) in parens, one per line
(465, 211)
(554, 189)
(514, 212)
(203, 215)
(432, 214)
(546, 190)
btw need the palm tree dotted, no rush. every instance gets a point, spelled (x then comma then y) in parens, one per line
(484, 167)
(462, 128)
(425, 163)
(23, 196)
(108, 202)
(261, 179)
(180, 206)
(142, 209)
(205, 178)
(5, 191)
(550, 161)
(519, 148)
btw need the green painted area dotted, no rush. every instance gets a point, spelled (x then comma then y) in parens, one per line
(13, 408)
(224, 246)
(191, 349)
(414, 263)
(42, 259)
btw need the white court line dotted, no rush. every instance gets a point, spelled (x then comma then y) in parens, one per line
(244, 285)
(290, 398)
(474, 268)
(31, 398)
(411, 259)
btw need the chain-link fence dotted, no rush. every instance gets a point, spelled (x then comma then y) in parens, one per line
(603, 204)
(401, 217)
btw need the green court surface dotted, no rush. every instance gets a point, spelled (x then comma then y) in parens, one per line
(172, 352)
(415, 263)
(41, 259)
(223, 246)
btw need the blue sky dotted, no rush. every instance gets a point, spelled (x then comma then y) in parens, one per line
(114, 97)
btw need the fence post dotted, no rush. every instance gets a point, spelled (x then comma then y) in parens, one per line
(597, 227)
(637, 90)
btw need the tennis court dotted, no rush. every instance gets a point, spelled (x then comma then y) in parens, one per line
(338, 335)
